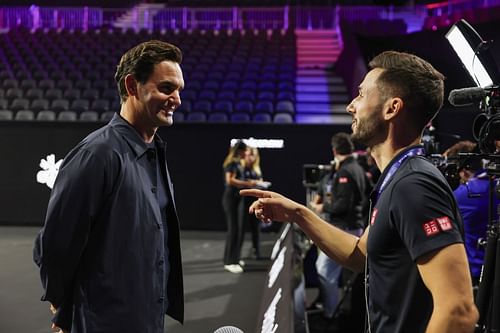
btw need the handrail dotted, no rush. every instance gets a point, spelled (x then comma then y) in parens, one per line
(285, 17)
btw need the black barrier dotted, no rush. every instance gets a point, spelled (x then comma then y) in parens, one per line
(195, 153)
(283, 301)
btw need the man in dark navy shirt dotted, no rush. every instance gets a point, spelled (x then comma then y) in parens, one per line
(412, 252)
(109, 253)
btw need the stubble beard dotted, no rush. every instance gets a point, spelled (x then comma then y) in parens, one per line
(369, 131)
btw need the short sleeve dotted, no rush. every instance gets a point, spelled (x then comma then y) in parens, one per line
(423, 211)
(231, 167)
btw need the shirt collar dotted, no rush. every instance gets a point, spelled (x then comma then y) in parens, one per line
(131, 136)
(398, 156)
(347, 160)
(394, 160)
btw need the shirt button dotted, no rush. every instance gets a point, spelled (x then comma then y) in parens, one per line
(160, 300)
(153, 189)
(160, 262)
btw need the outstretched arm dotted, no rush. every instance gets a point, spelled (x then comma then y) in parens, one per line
(346, 249)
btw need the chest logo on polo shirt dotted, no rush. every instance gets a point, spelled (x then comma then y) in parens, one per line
(343, 180)
(374, 216)
(437, 225)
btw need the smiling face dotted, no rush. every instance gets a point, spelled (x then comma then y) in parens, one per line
(368, 124)
(159, 96)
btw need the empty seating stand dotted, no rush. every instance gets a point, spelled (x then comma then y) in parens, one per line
(231, 76)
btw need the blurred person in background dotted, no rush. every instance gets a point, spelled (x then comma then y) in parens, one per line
(252, 171)
(234, 205)
(109, 252)
(473, 200)
(341, 199)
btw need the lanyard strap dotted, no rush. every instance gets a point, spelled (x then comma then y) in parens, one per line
(417, 151)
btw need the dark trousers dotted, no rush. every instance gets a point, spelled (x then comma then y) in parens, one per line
(254, 226)
(234, 207)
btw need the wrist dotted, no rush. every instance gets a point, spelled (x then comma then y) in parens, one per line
(300, 214)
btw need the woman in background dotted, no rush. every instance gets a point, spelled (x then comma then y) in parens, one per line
(252, 171)
(233, 204)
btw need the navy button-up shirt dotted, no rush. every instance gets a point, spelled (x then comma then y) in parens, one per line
(105, 255)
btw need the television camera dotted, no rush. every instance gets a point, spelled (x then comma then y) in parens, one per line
(474, 54)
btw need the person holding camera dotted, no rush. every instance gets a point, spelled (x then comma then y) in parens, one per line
(412, 252)
(473, 200)
(340, 199)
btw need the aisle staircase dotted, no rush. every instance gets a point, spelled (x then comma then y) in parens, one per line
(321, 95)
(139, 17)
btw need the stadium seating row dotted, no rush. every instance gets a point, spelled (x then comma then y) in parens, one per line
(179, 116)
(72, 70)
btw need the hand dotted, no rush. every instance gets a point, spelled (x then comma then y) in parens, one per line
(54, 327)
(272, 206)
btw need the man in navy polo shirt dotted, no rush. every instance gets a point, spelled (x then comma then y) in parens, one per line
(412, 252)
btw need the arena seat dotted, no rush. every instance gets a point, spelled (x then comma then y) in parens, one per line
(33, 93)
(19, 104)
(80, 105)
(196, 116)
(53, 94)
(62, 116)
(179, 117)
(59, 105)
(106, 116)
(39, 104)
(221, 69)
(100, 105)
(6, 115)
(262, 118)
(218, 117)
(47, 115)
(240, 117)
(89, 116)
(13, 93)
(24, 115)
(283, 118)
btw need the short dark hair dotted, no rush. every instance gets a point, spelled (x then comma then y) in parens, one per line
(342, 143)
(140, 61)
(414, 80)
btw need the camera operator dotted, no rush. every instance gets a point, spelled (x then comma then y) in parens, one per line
(473, 200)
(341, 199)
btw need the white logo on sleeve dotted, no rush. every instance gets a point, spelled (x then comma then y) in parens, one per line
(49, 171)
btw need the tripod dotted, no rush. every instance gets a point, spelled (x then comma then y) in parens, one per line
(488, 295)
